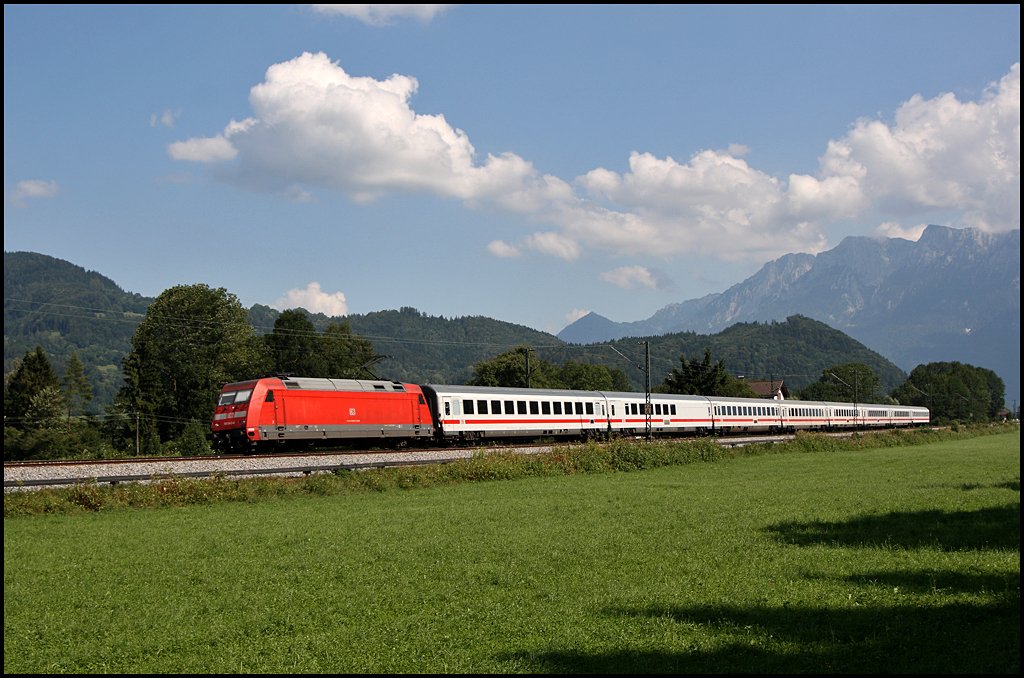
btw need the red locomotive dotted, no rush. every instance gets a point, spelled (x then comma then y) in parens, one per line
(289, 411)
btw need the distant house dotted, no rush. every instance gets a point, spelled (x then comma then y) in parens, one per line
(774, 390)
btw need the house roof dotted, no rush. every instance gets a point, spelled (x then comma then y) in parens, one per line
(768, 389)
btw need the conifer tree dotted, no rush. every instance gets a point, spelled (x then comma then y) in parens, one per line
(77, 389)
(33, 375)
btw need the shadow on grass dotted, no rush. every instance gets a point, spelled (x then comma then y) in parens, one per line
(942, 582)
(955, 638)
(1008, 485)
(988, 528)
(1011, 485)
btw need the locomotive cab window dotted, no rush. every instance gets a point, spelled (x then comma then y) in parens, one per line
(234, 397)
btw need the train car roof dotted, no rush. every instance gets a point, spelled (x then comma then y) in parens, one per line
(663, 396)
(497, 391)
(448, 389)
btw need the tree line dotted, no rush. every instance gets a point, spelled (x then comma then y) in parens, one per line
(194, 339)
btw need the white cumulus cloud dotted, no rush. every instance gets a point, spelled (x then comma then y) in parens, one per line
(891, 229)
(630, 277)
(575, 314)
(554, 244)
(32, 189)
(167, 118)
(714, 204)
(313, 299)
(939, 153)
(502, 249)
(383, 15)
(315, 126)
(208, 149)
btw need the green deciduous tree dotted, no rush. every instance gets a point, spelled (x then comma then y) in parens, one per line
(46, 410)
(846, 383)
(509, 369)
(590, 377)
(705, 377)
(297, 348)
(194, 441)
(294, 345)
(347, 355)
(193, 340)
(953, 391)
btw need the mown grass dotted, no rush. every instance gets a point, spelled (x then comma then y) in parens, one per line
(827, 560)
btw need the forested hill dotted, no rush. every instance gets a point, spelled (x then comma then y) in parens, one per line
(63, 308)
(427, 349)
(424, 348)
(796, 350)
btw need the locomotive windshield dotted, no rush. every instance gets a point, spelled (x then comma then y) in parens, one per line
(234, 397)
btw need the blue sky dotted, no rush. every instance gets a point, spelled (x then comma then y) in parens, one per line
(525, 163)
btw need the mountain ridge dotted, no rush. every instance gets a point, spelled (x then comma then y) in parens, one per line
(953, 295)
(62, 307)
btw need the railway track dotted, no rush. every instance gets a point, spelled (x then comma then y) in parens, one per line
(30, 475)
(39, 474)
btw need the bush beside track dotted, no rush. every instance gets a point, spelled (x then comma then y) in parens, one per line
(592, 458)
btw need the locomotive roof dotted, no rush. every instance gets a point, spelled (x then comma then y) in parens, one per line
(322, 384)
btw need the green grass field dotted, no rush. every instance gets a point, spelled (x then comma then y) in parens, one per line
(896, 560)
